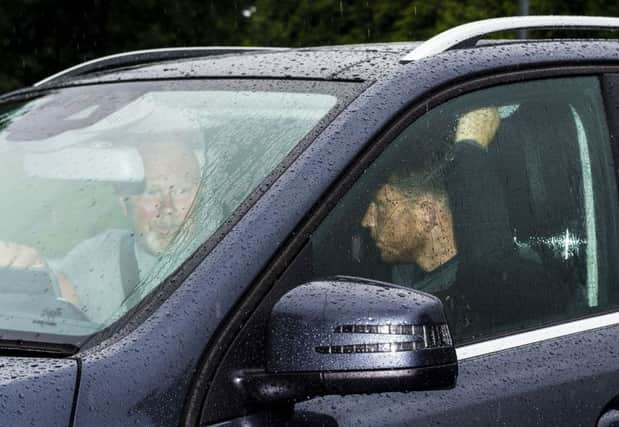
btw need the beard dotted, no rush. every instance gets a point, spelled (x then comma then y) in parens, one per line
(155, 242)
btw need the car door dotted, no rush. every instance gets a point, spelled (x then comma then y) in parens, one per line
(537, 345)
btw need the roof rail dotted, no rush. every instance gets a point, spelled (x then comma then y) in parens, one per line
(138, 57)
(468, 34)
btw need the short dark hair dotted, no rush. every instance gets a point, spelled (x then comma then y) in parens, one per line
(420, 181)
(425, 174)
(418, 160)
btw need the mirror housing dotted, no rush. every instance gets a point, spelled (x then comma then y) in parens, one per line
(350, 335)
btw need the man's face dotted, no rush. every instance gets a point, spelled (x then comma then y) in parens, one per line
(171, 178)
(397, 224)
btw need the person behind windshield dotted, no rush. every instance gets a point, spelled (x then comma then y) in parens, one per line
(98, 273)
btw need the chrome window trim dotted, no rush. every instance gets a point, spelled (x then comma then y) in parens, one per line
(538, 335)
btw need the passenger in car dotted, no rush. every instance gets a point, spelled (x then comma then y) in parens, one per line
(410, 218)
(411, 223)
(98, 273)
(441, 220)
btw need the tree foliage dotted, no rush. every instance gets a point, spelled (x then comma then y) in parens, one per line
(41, 37)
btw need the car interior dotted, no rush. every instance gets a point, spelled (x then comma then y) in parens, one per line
(546, 158)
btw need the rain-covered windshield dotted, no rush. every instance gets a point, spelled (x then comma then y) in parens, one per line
(106, 190)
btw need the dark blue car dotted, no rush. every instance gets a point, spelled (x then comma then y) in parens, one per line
(392, 234)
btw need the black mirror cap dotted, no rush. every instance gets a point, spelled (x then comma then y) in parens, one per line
(349, 335)
(349, 324)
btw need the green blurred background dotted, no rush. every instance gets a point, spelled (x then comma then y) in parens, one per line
(41, 37)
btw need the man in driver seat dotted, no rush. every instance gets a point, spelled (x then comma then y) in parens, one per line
(98, 273)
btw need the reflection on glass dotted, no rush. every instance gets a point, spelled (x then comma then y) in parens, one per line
(108, 189)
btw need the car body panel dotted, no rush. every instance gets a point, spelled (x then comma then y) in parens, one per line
(564, 381)
(37, 391)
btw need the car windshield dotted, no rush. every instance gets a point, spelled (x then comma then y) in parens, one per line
(107, 189)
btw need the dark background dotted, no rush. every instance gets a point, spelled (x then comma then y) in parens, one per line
(41, 37)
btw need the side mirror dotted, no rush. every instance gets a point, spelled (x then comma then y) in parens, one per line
(348, 336)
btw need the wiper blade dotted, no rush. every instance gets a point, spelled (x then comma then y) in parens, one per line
(34, 348)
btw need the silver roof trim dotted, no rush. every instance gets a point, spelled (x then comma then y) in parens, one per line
(473, 31)
(134, 57)
(538, 335)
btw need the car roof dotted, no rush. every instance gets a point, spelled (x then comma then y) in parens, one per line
(345, 62)
(367, 62)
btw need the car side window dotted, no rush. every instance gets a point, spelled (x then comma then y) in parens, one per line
(501, 202)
